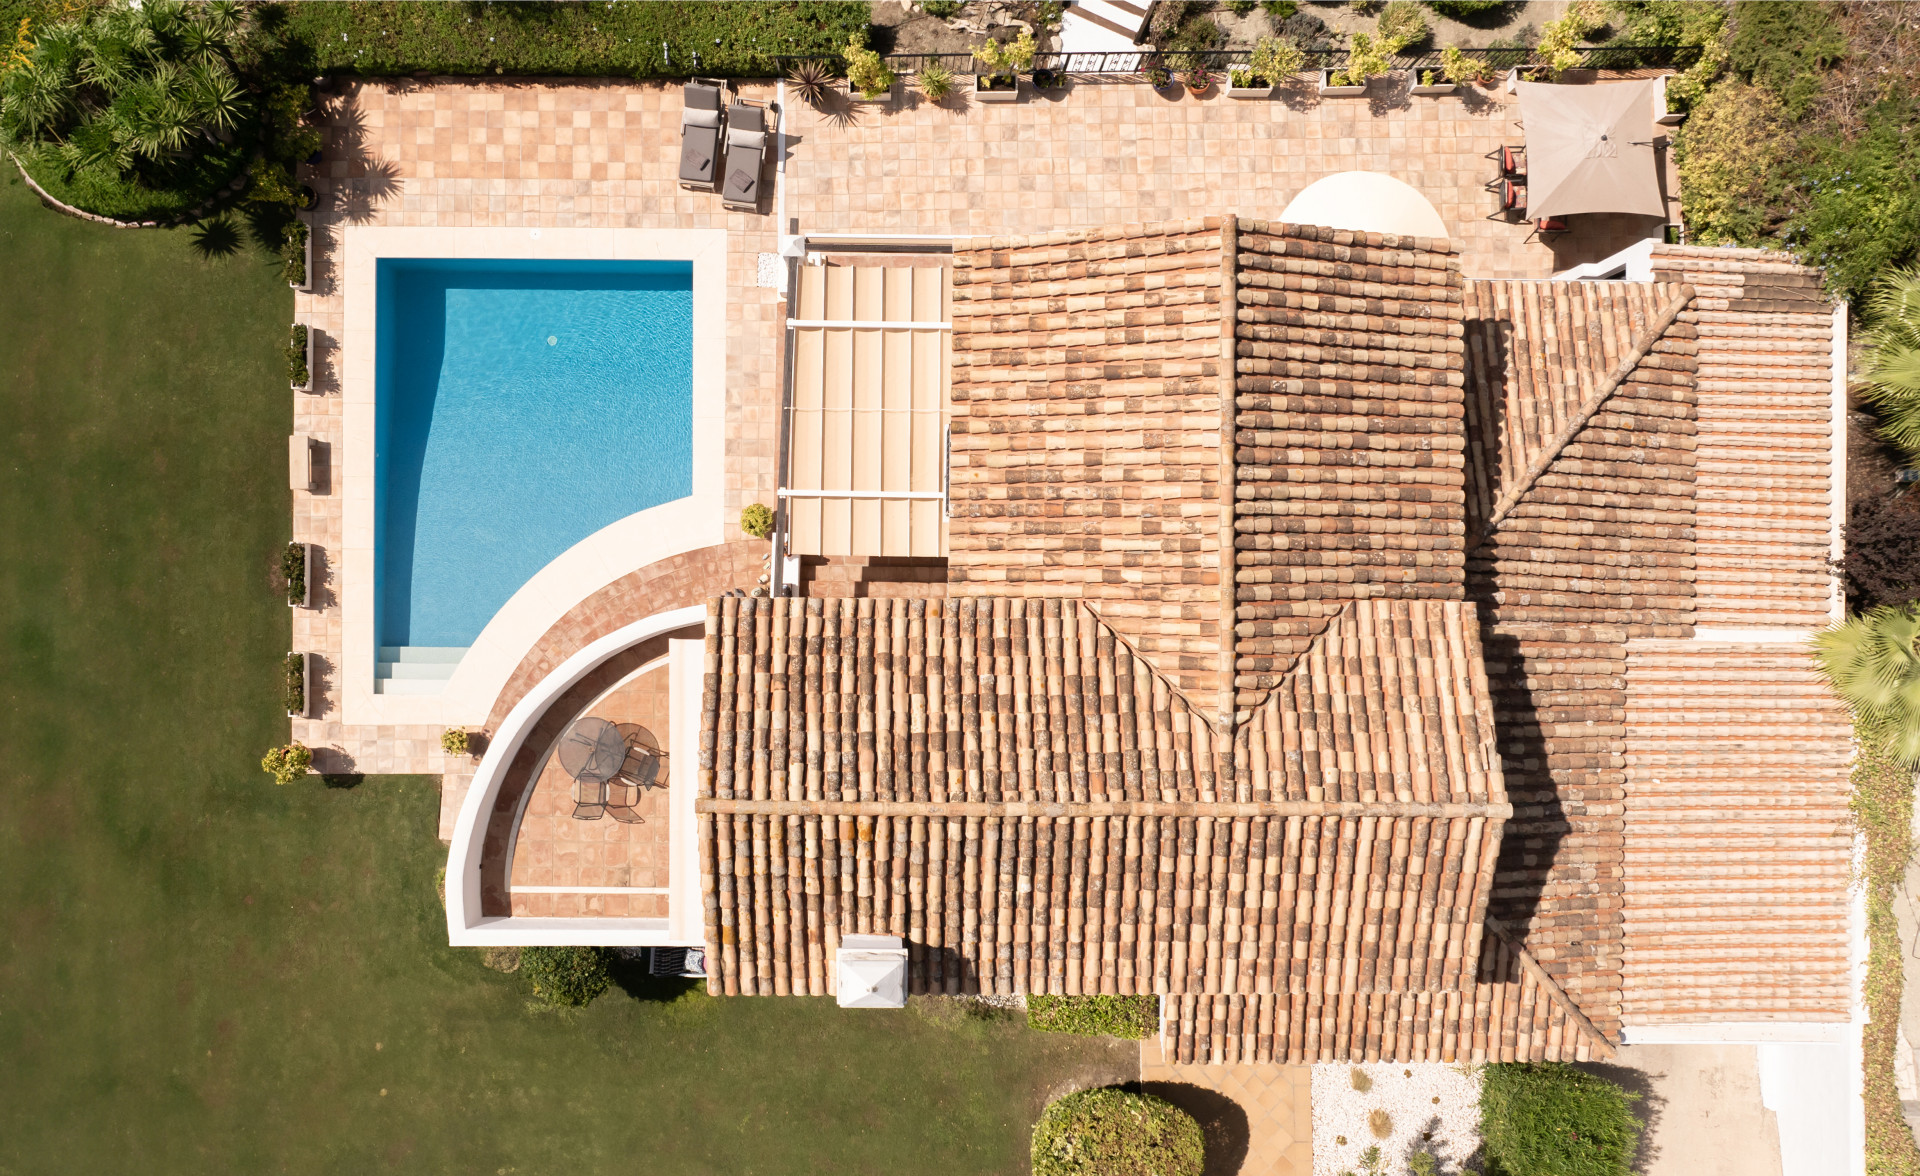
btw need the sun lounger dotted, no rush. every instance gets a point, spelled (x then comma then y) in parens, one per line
(746, 156)
(701, 125)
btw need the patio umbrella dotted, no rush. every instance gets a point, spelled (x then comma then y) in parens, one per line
(1590, 149)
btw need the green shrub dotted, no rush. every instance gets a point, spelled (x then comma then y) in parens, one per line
(1007, 57)
(1462, 69)
(287, 764)
(756, 520)
(1279, 9)
(1732, 166)
(1549, 1119)
(570, 37)
(1113, 1132)
(1560, 39)
(293, 567)
(293, 252)
(1787, 48)
(943, 9)
(867, 72)
(1242, 7)
(297, 373)
(1131, 1017)
(1861, 200)
(1465, 9)
(566, 977)
(296, 674)
(1366, 58)
(454, 741)
(1402, 25)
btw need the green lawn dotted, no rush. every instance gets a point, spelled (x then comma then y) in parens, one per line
(203, 973)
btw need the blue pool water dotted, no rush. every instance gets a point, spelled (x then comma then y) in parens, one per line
(522, 406)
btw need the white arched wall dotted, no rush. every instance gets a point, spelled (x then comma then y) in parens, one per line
(683, 926)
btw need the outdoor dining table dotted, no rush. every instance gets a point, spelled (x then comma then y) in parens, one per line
(592, 751)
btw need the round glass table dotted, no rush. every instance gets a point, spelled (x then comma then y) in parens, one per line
(592, 751)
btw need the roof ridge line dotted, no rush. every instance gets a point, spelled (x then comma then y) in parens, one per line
(1231, 809)
(1551, 451)
(1548, 984)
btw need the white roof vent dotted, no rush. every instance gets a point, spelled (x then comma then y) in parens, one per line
(870, 972)
(1365, 202)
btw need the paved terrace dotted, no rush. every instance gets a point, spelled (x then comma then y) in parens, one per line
(451, 153)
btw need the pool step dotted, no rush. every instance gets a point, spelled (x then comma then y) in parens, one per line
(415, 669)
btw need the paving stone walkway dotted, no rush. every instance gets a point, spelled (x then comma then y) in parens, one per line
(1275, 1101)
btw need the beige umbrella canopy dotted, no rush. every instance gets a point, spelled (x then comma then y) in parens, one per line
(1590, 149)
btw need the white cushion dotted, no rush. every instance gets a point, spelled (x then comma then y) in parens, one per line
(690, 117)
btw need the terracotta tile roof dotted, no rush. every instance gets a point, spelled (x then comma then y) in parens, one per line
(1009, 786)
(1737, 836)
(1086, 431)
(1091, 396)
(1765, 441)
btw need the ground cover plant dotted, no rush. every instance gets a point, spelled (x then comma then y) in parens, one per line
(1549, 1119)
(215, 974)
(1114, 1132)
(572, 38)
(1132, 1017)
(1882, 808)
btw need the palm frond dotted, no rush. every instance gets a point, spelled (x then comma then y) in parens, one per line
(1873, 663)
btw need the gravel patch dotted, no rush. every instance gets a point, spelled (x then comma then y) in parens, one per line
(1433, 1107)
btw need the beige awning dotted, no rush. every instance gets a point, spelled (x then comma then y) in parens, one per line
(866, 432)
(1590, 149)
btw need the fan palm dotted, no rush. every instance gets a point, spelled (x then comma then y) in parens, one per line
(35, 98)
(1891, 364)
(1873, 663)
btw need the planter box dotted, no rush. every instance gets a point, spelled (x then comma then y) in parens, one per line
(1249, 92)
(999, 94)
(1436, 90)
(308, 386)
(306, 287)
(306, 687)
(306, 578)
(858, 98)
(1329, 90)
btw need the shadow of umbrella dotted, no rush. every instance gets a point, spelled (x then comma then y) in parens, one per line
(1221, 1120)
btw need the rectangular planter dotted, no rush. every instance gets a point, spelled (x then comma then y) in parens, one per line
(306, 287)
(1249, 93)
(308, 386)
(306, 686)
(1005, 94)
(1329, 90)
(1435, 91)
(860, 99)
(306, 578)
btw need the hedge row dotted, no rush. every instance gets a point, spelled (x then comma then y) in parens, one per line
(1131, 1017)
(570, 38)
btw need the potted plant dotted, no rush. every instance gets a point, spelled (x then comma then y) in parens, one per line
(756, 520)
(455, 741)
(1004, 62)
(296, 565)
(300, 358)
(1273, 61)
(868, 78)
(1197, 81)
(935, 81)
(1366, 60)
(299, 685)
(1456, 70)
(296, 255)
(1049, 79)
(1159, 77)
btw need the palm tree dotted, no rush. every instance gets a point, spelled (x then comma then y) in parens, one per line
(1873, 663)
(1892, 361)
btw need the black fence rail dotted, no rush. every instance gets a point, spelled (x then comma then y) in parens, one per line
(1141, 61)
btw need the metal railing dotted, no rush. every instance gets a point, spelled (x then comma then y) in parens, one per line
(1141, 61)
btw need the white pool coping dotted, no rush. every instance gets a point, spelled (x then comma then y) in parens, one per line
(673, 528)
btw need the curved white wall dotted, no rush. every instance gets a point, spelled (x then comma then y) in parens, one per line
(467, 927)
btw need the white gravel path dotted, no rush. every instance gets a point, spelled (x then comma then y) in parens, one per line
(1449, 1128)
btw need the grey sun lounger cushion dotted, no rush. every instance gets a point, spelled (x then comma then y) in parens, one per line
(700, 124)
(746, 152)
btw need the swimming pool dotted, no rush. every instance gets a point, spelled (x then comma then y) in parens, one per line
(521, 407)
